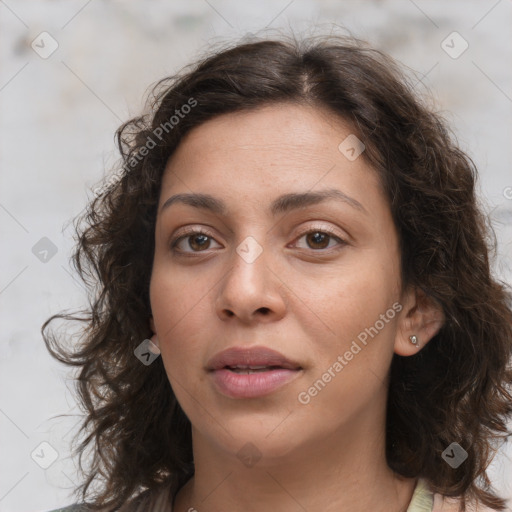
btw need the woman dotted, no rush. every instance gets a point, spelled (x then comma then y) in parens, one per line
(296, 309)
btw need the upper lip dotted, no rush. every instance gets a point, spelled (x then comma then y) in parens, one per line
(250, 356)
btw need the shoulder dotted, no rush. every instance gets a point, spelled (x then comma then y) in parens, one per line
(443, 504)
(71, 508)
(425, 499)
(154, 501)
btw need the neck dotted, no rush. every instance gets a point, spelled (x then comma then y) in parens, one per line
(345, 470)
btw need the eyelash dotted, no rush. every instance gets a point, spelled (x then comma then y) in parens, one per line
(202, 231)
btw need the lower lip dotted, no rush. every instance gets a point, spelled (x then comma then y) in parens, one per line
(251, 385)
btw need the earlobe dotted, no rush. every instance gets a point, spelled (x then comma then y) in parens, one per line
(422, 318)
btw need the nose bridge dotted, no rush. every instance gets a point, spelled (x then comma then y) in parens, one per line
(249, 265)
(249, 285)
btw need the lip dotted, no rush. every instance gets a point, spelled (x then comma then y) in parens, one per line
(253, 356)
(251, 385)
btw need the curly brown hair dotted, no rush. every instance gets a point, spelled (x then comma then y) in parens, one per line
(457, 388)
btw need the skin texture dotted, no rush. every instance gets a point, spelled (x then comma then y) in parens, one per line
(307, 297)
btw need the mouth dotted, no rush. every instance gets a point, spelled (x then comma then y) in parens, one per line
(253, 369)
(250, 359)
(251, 382)
(251, 372)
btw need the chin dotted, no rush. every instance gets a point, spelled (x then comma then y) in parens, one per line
(261, 443)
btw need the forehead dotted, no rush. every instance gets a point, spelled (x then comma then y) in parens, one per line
(285, 129)
(261, 153)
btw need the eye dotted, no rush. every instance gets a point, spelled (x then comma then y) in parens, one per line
(318, 238)
(198, 241)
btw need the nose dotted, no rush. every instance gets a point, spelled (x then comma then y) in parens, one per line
(251, 291)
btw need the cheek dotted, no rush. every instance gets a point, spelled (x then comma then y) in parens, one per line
(355, 304)
(181, 314)
(169, 306)
(350, 362)
(352, 294)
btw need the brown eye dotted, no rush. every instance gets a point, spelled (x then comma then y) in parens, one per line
(319, 239)
(198, 241)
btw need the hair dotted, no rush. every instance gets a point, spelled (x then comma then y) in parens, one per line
(456, 389)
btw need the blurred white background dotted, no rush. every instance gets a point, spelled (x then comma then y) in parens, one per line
(58, 115)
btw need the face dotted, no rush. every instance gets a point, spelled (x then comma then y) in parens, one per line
(317, 281)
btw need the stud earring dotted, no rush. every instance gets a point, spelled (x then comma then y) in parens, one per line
(414, 340)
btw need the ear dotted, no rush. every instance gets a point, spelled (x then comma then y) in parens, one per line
(422, 317)
(152, 324)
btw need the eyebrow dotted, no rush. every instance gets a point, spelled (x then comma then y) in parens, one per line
(282, 204)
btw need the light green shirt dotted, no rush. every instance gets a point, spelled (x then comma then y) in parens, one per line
(422, 498)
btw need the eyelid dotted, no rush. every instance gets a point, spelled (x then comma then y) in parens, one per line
(323, 229)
